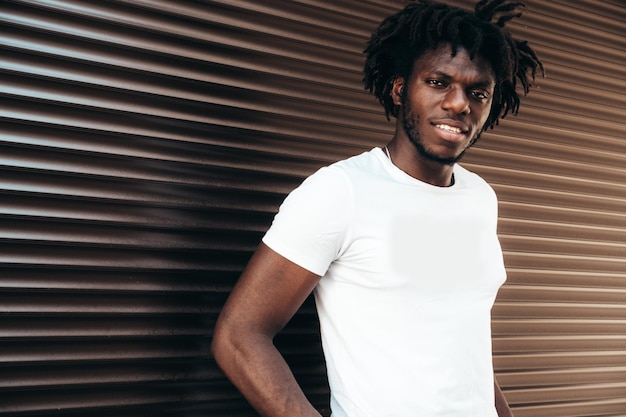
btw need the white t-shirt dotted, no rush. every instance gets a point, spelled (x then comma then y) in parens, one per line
(410, 272)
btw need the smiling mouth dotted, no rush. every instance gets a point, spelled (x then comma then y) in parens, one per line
(450, 129)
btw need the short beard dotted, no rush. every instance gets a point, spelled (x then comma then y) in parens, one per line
(409, 120)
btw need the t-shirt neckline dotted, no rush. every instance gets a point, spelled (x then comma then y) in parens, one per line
(406, 178)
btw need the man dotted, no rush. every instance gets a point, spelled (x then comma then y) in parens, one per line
(399, 243)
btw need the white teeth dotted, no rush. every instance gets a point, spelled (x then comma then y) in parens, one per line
(450, 128)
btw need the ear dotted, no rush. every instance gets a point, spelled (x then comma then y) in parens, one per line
(396, 90)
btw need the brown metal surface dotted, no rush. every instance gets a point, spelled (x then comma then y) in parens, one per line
(146, 144)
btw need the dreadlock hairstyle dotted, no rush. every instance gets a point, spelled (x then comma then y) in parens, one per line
(403, 37)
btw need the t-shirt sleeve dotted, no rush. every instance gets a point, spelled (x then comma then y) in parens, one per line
(311, 225)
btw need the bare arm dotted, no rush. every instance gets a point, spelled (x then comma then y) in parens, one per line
(502, 406)
(268, 294)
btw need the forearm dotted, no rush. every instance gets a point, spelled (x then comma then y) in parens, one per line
(267, 295)
(258, 370)
(502, 406)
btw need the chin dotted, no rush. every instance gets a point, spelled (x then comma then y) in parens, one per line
(432, 156)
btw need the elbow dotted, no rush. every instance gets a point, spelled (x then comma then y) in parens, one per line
(236, 342)
(220, 345)
(229, 343)
(233, 348)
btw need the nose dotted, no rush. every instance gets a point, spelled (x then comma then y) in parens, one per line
(456, 101)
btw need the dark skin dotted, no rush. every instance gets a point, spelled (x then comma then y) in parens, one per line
(446, 105)
(266, 296)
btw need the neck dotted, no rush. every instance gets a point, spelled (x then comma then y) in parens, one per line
(404, 156)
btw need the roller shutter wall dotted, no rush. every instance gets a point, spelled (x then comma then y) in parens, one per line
(145, 146)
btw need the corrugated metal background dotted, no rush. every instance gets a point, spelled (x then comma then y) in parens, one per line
(146, 144)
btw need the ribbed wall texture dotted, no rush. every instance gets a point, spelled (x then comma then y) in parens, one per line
(146, 144)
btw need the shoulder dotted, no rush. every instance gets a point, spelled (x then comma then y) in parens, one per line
(365, 160)
(362, 167)
(474, 181)
(331, 188)
(338, 180)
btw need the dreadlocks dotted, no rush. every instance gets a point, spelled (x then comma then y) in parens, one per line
(403, 37)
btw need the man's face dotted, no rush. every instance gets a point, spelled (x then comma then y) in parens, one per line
(445, 103)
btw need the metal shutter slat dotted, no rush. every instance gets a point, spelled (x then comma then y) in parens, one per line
(147, 144)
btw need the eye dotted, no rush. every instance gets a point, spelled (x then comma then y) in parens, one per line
(480, 95)
(436, 83)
